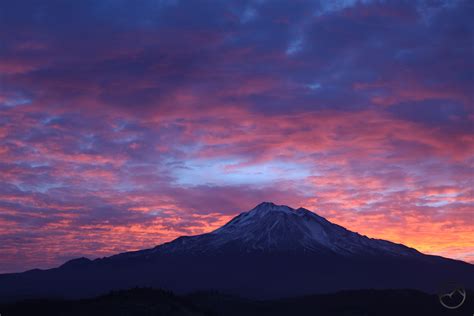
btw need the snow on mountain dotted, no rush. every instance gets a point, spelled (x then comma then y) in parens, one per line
(279, 228)
(271, 251)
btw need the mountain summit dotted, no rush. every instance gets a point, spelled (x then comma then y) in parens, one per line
(280, 228)
(269, 251)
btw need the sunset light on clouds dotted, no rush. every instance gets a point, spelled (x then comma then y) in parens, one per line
(124, 125)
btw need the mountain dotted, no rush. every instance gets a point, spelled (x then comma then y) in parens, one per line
(271, 251)
(270, 228)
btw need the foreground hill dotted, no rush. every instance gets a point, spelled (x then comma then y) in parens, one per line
(156, 302)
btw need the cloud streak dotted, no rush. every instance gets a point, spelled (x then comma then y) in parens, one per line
(124, 125)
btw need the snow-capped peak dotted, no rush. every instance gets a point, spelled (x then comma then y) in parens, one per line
(266, 207)
(279, 228)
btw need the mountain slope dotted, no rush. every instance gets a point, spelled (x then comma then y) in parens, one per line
(270, 251)
(273, 228)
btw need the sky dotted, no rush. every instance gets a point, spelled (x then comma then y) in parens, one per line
(125, 124)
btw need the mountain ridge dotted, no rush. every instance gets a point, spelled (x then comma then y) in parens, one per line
(270, 251)
(298, 229)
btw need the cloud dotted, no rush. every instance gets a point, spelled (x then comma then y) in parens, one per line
(153, 120)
